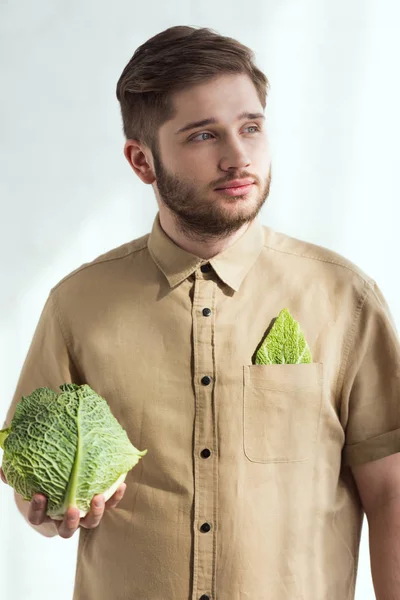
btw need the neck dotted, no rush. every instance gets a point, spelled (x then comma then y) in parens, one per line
(207, 247)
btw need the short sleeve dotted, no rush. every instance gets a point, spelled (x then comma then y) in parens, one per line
(371, 386)
(48, 362)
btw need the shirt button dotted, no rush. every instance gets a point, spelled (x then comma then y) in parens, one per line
(205, 268)
(205, 453)
(206, 312)
(206, 380)
(205, 528)
(204, 597)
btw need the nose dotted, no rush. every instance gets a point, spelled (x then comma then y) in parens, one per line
(234, 156)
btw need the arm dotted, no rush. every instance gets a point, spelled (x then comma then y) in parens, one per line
(47, 364)
(378, 483)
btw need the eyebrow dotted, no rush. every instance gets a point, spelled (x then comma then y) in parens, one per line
(213, 121)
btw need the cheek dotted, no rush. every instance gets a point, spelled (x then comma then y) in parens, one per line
(199, 168)
(262, 145)
(262, 157)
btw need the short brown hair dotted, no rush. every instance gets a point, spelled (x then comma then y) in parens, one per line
(173, 60)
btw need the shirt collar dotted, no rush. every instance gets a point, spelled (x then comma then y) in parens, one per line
(231, 265)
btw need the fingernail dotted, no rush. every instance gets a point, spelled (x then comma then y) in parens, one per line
(97, 503)
(37, 503)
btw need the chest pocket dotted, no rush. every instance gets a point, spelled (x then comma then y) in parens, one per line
(281, 411)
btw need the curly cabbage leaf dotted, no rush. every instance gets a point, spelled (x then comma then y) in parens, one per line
(285, 343)
(68, 447)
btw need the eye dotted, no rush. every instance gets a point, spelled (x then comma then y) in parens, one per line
(253, 127)
(198, 135)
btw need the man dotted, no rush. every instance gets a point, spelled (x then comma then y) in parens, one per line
(257, 476)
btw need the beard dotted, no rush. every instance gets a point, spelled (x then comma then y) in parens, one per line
(200, 217)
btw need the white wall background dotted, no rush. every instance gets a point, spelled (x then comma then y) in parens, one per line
(67, 193)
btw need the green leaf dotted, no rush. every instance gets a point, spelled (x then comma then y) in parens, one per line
(3, 436)
(285, 343)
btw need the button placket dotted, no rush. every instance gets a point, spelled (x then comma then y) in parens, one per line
(204, 470)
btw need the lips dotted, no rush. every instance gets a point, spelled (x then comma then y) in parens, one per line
(236, 183)
(240, 191)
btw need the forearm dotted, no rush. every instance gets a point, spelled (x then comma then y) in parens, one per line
(384, 543)
(46, 529)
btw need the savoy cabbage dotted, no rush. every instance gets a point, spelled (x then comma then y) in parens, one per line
(68, 447)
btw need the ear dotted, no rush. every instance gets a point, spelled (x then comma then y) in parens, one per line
(140, 159)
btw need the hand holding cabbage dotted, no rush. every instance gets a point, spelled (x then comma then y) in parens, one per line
(68, 448)
(35, 513)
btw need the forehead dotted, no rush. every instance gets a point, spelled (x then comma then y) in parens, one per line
(223, 97)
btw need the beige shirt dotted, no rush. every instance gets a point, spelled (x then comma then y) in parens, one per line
(246, 491)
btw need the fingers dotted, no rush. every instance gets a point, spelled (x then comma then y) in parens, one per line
(37, 509)
(93, 518)
(37, 515)
(117, 497)
(98, 506)
(70, 523)
(67, 527)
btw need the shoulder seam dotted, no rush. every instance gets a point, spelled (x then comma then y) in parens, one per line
(367, 279)
(350, 338)
(98, 261)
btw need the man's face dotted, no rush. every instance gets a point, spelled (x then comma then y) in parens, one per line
(190, 165)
